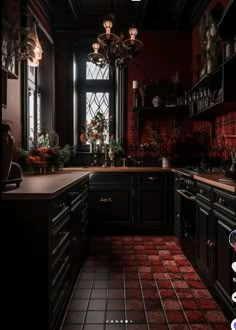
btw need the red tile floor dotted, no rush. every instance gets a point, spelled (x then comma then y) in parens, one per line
(140, 283)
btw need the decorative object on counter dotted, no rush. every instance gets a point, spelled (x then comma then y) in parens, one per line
(166, 162)
(43, 158)
(230, 174)
(115, 148)
(11, 172)
(96, 131)
(156, 101)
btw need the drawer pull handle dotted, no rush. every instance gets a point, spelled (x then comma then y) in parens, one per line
(62, 205)
(105, 200)
(221, 201)
(208, 242)
(211, 244)
(152, 178)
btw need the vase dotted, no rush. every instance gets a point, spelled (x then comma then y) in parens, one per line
(111, 155)
(165, 162)
(156, 101)
(8, 146)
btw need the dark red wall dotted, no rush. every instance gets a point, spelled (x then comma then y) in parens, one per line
(164, 53)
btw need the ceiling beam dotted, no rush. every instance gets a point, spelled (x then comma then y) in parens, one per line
(74, 6)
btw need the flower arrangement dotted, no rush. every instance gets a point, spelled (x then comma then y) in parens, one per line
(115, 145)
(164, 143)
(96, 130)
(42, 157)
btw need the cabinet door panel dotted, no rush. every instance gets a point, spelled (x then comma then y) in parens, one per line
(111, 206)
(152, 206)
(203, 239)
(224, 257)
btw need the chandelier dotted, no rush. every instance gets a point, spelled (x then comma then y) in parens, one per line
(111, 49)
(20, 44)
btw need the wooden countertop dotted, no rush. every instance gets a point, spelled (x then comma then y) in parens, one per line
(110, 169)
(212, 179)
(49, 186)
(43, 186)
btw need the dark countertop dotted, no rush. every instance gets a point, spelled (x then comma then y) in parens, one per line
(43, 186)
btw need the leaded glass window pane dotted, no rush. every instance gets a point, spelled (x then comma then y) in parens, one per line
(97, 102)
(94, 72)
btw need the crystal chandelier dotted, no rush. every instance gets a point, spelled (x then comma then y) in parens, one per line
(110, 49)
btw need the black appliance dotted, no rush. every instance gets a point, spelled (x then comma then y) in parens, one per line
(185, 213)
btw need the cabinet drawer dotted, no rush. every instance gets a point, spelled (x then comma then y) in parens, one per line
(80, 192)
(59, 262)
(110, 179)
(225, 202)
(153, 178)
(204, 192)
(59, 208)
(61, 288)
(60, 236)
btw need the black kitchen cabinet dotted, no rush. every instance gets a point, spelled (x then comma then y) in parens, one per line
(203, 238)
(133, 202)
(224, 219)
(47, 247)
(224, 256)
(111, 201)
(154, 200)
(216, 218)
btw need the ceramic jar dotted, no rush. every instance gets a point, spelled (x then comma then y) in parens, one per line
(156, 101)
(165, 162)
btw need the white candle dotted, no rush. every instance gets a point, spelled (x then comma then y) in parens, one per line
(135, 84)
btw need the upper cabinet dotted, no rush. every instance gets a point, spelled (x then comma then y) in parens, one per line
(214, 93)
(226, 25)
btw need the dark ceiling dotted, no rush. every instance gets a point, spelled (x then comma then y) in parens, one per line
(86, 15)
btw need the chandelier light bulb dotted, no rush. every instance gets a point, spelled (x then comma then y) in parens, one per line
(108, 25)
(133, 31)
(96, 47)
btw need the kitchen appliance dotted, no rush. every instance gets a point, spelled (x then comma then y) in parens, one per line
(185, 209)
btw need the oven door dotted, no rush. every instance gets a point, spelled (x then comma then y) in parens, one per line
(187, 210)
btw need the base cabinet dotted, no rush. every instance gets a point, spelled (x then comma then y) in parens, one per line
(154, 201)
(133, 202)
(216, 218)
(49, 239)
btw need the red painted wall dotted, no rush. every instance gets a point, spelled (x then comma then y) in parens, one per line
(164, 53)
(225, 124)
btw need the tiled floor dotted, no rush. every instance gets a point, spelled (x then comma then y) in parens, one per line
(139, 283)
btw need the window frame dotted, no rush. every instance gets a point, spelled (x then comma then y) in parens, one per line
(83, 85)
